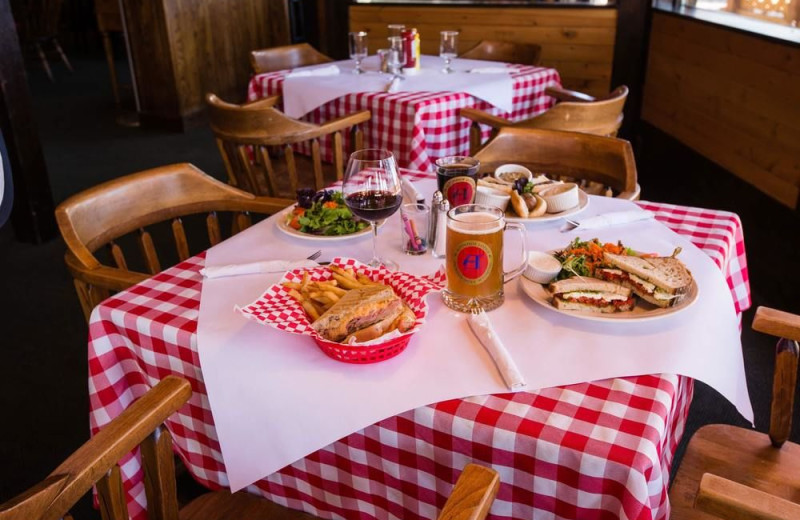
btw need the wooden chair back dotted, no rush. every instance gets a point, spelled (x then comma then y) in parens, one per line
(97, 217)
(96, 463)
(286, 57)
(259, 146)
(575, 112)
(585, 158)
(738, 473)
(509, 52)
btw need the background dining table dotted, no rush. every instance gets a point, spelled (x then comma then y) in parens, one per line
(421, 126)
(600, 449)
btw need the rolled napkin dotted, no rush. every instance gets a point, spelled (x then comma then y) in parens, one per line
(482, 327)
(330, 70)
(410, 193)
(612, 219)
(490, 70)
(267, 266)
(394, 85)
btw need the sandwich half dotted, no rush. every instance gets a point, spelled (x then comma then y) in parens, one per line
(590, 294)
(662, 281)
(365, 313)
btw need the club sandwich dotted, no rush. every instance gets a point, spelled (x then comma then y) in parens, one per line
(365, 314)
(662, 281)
(590, 294)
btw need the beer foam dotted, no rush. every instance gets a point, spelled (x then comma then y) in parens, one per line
(477, 223)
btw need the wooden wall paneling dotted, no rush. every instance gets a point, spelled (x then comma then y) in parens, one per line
(32, 215)
(578, 40)
(733, 97)
(185, 48)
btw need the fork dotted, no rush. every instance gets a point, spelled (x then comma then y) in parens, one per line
(315, 255)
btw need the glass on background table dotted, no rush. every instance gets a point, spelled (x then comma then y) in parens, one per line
(589, 450)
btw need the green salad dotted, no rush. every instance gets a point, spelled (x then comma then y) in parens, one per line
(323, 213)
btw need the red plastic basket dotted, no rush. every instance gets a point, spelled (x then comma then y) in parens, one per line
(363, 354)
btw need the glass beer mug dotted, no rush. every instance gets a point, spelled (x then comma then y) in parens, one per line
(474, 257)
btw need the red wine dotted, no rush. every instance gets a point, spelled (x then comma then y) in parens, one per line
(373, 205)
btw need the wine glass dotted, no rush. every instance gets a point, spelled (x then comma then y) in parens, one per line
(358, 49)
(448, 48)
(396, 55)
(371, 190)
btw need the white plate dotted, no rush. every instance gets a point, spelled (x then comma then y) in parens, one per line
(280, 223)
(583, 202)
(643, 311)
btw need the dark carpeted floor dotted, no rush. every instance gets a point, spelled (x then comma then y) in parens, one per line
(43, 375)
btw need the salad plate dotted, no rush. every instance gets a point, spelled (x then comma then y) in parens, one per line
(583, 203)
(321, 216)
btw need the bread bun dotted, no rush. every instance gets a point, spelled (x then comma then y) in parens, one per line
(518, 203)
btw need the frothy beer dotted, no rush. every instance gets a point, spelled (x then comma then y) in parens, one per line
(475, 254)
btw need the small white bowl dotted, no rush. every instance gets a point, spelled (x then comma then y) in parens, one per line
(512, 172)
(560, 197)
(490, 197)
(541, 267)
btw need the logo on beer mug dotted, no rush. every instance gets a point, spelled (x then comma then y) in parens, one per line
(473, 262)
(460, 190)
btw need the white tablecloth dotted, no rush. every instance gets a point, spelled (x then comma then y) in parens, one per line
(305, 400)
(303, 94)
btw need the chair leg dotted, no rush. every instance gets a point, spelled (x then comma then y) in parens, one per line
(43, 58)
(112, 70)
(61, 53)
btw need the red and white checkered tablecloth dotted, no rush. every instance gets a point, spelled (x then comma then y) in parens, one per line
(420, 127)
(591, 451)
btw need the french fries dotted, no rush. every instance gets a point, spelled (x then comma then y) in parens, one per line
(317, 297)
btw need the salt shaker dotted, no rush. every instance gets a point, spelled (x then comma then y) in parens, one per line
(437, 231)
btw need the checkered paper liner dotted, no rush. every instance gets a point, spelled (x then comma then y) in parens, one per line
(278, 309)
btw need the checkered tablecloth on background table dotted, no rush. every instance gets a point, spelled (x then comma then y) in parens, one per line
(420, 127)
(594, 450)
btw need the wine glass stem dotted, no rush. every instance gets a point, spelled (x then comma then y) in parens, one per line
(375, 259)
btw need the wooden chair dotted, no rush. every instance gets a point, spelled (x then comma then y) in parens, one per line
(575, 112)
(258, 144)
(737, 473)
(141, 425)
(109, 19)
(97, 217)
(602, 165)
(286, 57)
(509, 52)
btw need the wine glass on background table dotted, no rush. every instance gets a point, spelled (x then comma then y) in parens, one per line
(358, 49)
(396, 55)
(371, 190)
(448, 48)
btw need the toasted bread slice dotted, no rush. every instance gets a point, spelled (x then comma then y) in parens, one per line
(358, 309)
(560, 303)
(667, 273)
(585, 284)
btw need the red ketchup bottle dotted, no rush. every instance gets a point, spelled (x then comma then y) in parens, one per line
(409, 44)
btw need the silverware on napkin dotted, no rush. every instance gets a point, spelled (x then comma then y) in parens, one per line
(267, 266)
(482, 328)
(608, 219)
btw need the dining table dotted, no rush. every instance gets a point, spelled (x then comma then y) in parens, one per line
(592, 449)
(419, 121)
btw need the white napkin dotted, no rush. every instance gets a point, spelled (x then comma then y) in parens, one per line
(482, 327)
(410, 193)
(613, 218)
(394, 85)
(490, 70)
(268, 266)
(330, 70)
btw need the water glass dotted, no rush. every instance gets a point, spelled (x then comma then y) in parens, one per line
(448, 48)
(358, 49)
(396, 62)
(414, 228)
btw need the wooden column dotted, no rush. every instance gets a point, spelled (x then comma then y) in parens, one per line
(630, 58)
(32, 216)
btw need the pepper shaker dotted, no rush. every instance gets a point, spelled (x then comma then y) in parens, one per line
(437, 232)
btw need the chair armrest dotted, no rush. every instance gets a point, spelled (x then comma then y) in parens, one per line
(563, 94)
(340, 123)
(479, 116)
(728, 499)
(472, 495)
(777, 323)
(266, 102)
